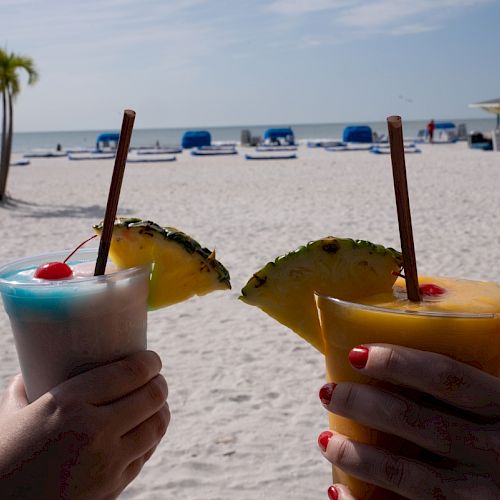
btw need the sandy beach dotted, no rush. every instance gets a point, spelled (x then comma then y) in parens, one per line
(243, 389)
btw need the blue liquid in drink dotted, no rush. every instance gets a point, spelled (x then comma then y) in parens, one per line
(64, 327)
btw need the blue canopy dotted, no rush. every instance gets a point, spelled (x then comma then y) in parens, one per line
(274, 134)
(445, 125)
(195, 139)
(107, 138)
(358, 133)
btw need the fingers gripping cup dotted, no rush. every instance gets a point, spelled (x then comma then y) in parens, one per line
(470, 337)
(64, 327)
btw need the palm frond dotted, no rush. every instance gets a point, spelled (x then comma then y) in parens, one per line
(10, 64)
(27, 64)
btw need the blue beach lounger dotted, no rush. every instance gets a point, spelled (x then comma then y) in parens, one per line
(213, 152)
(262, 156)
(150, 158)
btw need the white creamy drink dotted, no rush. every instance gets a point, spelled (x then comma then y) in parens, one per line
(66, 326)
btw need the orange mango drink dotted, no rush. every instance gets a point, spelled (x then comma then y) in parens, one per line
(457, 318)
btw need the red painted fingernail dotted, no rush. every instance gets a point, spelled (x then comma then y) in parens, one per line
(358, 356)
(333, 494)
(324, 438)
(325, 393)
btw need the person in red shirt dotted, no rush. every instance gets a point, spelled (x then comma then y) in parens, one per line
(430, 130)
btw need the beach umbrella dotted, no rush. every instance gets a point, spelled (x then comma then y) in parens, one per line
(491, 106)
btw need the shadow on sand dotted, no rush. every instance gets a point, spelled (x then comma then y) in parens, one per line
(22, 208)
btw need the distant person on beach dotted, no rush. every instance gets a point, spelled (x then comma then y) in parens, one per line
(58, 147)
(89, 437)
(447, 411)
(431, 126)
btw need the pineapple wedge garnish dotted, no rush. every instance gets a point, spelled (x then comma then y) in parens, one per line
(181, 267)
(342, 268)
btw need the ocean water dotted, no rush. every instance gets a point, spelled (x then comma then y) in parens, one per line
(26, 141)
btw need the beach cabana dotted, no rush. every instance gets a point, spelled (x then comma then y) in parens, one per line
(446, 132)
(196, 139)
(445, 126)
(358, 133)
(279, 135)
(491, 106)
(108, 140)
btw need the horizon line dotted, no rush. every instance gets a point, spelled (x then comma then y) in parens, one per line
(260, 125)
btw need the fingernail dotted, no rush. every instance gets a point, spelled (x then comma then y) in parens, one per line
(324, 438)
(325, 393)
(358, 356)
(333, 494)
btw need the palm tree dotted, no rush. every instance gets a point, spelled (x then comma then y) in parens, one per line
(10, 87)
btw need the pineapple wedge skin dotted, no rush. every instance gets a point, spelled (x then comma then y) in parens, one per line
(181, 269)
(339, 267)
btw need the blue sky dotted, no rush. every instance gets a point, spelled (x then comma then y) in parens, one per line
(182, 63)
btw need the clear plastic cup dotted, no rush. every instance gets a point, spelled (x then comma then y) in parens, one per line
(471, 338)
(64, 327)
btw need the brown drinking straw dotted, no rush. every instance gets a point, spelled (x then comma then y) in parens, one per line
(395, 127)
(114, 190)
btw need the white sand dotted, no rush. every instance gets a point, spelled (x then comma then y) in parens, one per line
(243, 389)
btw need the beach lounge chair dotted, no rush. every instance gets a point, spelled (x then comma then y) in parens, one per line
(91, 156)
(213, 151)
(149, 158)
(270, 156)
(271, 147)
(20, 163)
(157, 151)
(45, 153)
(384, 149)
(218, 147)
(351, 146)
(477, 140)
(323, 143)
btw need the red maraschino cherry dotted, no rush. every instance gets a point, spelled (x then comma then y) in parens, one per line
(58, 270)
(431, 290)
(53, 271)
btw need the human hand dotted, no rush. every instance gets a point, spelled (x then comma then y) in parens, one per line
(89, 437)
(339, 492)
(459, 425)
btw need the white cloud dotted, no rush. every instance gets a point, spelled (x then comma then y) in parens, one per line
(397, 17)
(102, 32)
(379, 13)
(297, 7)
(175, 60)
(13, 3)
(413, 29)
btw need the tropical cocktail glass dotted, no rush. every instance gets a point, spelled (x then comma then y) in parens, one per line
(468, 337)
(64, 327)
